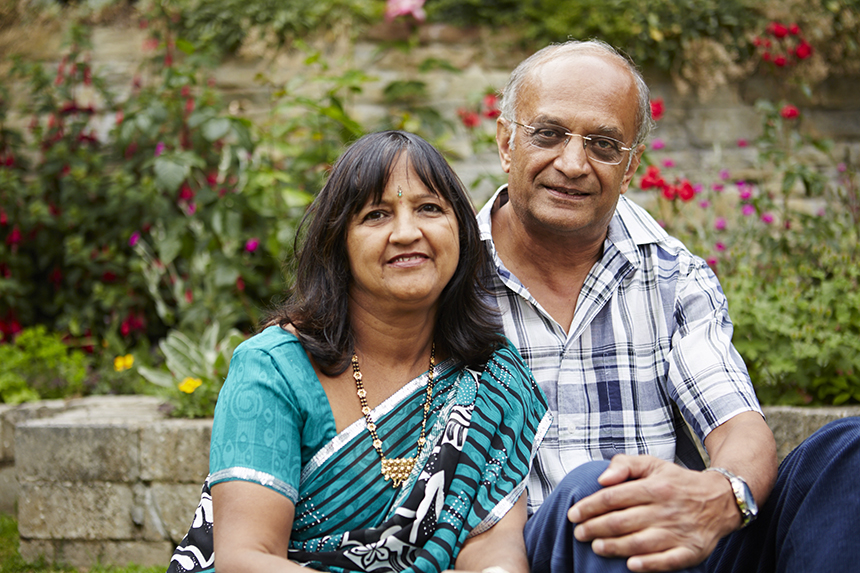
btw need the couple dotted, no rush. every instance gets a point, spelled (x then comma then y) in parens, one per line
(381, 422)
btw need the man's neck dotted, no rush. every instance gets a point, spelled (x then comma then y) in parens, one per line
(553, 268)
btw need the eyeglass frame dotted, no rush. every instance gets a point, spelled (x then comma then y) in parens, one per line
(585, 140)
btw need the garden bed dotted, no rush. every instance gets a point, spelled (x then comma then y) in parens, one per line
(111, 480)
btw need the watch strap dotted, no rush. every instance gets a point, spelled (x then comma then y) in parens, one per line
(743, 496)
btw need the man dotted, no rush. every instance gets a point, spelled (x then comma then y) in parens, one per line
(624, 329)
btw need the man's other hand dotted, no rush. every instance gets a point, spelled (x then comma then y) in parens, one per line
(660, 516)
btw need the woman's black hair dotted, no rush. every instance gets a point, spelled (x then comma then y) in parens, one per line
(467, 326)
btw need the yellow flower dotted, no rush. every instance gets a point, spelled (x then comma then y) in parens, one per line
(121, 363)
(189, 385)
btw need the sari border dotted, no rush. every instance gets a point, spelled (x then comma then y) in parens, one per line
(239, 473)
(358, 427)
(504, 506)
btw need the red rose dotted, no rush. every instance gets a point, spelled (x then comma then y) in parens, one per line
(789, 112)
(780, 61)
(804, 50)
(778, 30)
(686, 191)
(794, 29)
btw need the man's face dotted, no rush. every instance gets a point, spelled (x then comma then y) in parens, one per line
(560, 191)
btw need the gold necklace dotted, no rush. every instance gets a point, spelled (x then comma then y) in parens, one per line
(395, 469)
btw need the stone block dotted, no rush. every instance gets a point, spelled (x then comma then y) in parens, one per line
(86, 554)
(77, 452)
(10, 416)
(175, 451)
(8, 488)
(170, 510)
(91, 511)
(791, 425)
(708, 125)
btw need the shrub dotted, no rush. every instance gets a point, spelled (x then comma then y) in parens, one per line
(38, 365)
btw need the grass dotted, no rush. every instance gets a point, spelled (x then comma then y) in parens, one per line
(11, 561)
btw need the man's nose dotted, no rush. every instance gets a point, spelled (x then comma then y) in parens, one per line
(572, 159)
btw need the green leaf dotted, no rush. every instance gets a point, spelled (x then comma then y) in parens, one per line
(169, 174)
(216, 128)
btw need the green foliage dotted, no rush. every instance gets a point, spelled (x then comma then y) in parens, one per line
(225, 24)
(791, 275)
(195, 369)
(39, 365)
(651, 32)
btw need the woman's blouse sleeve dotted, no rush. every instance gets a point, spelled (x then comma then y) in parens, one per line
(257, 431)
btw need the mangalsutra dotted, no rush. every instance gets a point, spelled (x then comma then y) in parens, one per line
(395, 469)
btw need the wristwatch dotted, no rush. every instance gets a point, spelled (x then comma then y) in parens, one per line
(743, 496)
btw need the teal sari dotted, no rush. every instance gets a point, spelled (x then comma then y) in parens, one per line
(484, 429)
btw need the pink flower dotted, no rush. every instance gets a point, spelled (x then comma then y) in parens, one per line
(668, 162)
(150, 44)
(252, 244)
(743, 143)
(657, 109)
(841, 168)
(744, 193)
(720, 247)
(767, 218)
(191, 209)
(135, 237)
(704, 204)
(789, 112)
(658, 144)
(724, 174)
(748, 210)
(718, 187)
(395, 8)
(719, 224)
(712, 262)
(159, 148)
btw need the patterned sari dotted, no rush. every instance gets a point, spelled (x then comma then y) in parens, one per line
(485, 431)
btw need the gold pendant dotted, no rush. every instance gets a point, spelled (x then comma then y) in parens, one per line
(397, 469)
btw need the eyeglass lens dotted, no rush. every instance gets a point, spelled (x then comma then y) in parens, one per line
(597, 147)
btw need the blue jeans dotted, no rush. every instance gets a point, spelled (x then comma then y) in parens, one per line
(809, 524)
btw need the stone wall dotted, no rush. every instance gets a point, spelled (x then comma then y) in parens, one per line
(700, 131)
(111, 480)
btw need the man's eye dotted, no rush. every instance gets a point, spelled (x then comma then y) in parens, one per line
(604, 144)
(549, 134)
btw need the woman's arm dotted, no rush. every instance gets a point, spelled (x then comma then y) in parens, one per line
(502, 545)
(252, 528)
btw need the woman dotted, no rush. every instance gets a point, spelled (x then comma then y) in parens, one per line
(379, 422)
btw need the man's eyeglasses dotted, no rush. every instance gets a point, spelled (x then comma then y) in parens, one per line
(598, 148)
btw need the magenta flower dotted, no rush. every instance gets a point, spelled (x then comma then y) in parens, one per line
(748, 210)
(159, 148)
(704, 204)
(718, 187)
(767, 218)
(135, 237)
(712, 262)
(668, 163)
(192, 208)
(252, 244)
(720, 247)
(698, 188)
(658, 144)
(743, 143)
(395, 8)
(841, 168)
(744, 193)
(720, 224)
(724, 174)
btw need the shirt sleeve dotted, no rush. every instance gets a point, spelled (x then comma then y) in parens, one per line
(256, 434)
(707, 376)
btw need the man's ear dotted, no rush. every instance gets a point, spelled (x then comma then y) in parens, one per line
(631, 170)
(503, 139)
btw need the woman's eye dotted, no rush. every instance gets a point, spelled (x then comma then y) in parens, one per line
(374, 215)
(431, 208)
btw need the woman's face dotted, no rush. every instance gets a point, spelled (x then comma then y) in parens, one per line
(403, 250)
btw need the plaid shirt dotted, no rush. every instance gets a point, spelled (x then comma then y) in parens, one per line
(650, 339)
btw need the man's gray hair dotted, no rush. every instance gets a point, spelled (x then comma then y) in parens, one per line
(644, 121)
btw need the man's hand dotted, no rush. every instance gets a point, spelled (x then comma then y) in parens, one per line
(659, 515)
